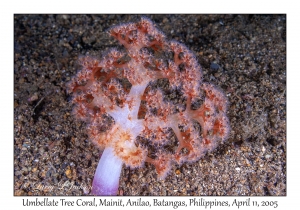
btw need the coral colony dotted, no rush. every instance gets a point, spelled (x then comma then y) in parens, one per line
(132, 119)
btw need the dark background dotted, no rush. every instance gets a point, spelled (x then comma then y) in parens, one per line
(245, 55)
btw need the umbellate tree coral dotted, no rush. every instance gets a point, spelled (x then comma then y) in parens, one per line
(145, 126)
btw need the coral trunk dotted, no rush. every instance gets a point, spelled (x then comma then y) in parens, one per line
(106, 180)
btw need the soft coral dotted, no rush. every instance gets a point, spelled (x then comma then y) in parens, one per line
(100, 90)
